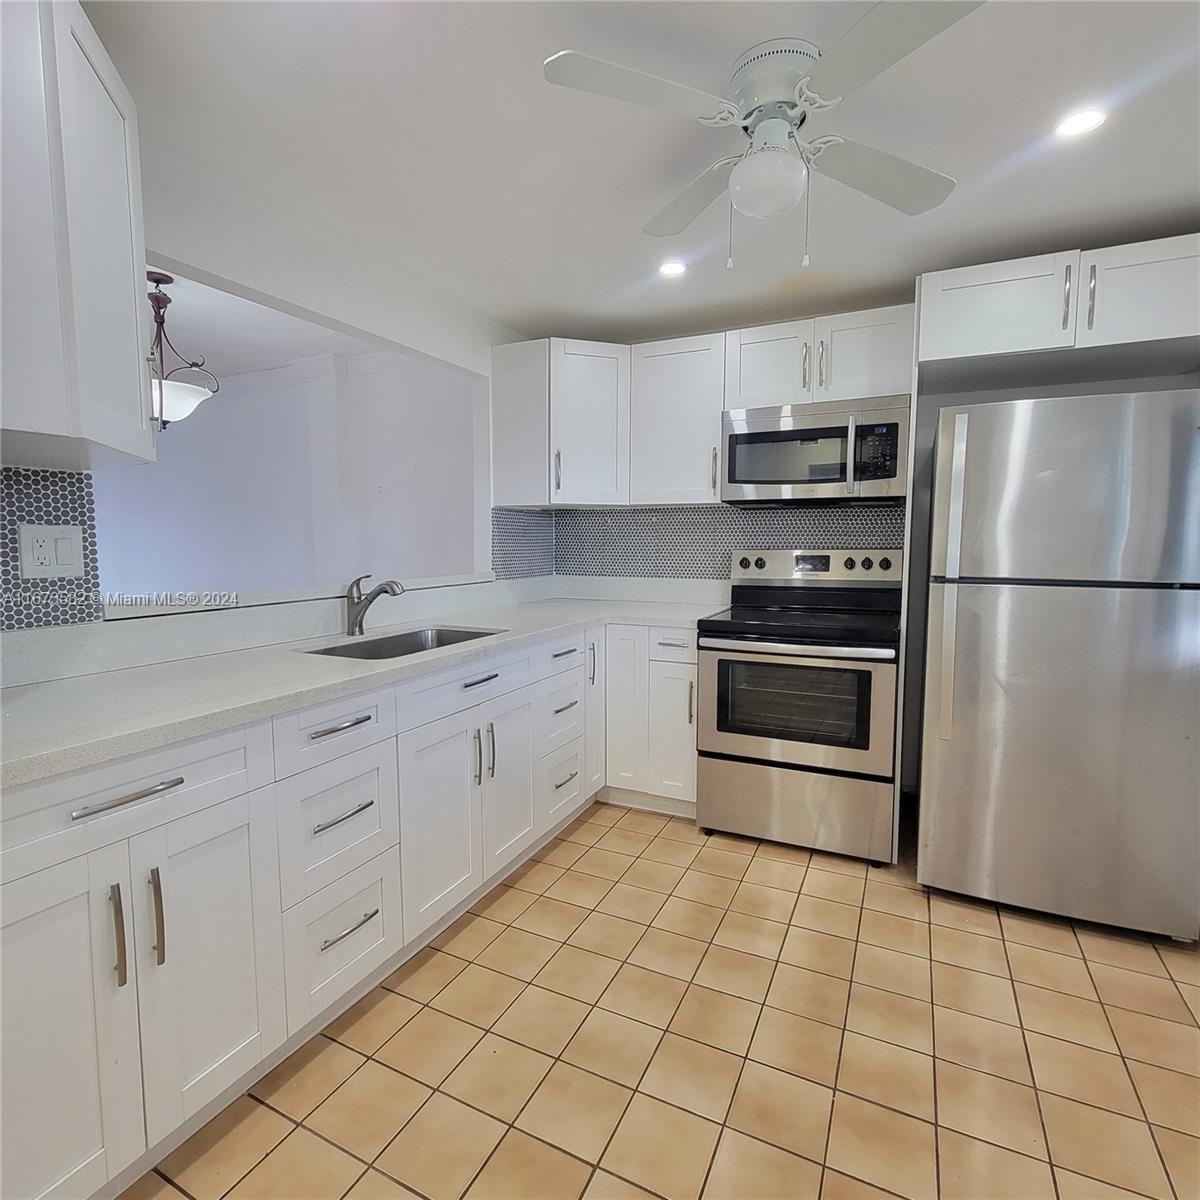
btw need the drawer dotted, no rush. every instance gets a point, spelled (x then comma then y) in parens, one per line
(327, 731)
(335, 817)
(561, 784)
(559, 655)
(339, 935)
(432, 697)
(668, 644)
(55, 819)
(560, 712)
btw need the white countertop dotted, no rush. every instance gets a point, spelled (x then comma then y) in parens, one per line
(68, 724)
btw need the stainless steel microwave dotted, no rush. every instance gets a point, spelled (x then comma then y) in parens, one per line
(826, 451)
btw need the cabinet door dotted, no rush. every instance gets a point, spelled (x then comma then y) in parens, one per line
(672, 765)
(594, 715)
(863, 354)
(509, 815)
(1000, 308)
(72, 1084)
(1140, 293)
(627, 700)
(769, 365)
(589, 422)
(209, 953)
(677, 393)
(441, 842)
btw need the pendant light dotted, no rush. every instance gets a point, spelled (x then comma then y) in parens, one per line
(176, 399)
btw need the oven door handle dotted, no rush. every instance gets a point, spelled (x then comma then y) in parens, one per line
(791, 650)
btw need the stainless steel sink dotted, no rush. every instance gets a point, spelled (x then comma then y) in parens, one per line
(400, 644)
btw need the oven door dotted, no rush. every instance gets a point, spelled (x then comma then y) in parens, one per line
(787, 453)
(831, 708)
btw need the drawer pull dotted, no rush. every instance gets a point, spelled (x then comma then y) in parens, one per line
(92, 809)
(573, 775)
(482, 679)
(675, 645)
(317, 734)
(160, 918)
(122, 967)
(361, 808)
(558, 712)
(565, 653)
(338, 937)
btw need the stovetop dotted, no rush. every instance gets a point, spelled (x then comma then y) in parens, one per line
(814, 626)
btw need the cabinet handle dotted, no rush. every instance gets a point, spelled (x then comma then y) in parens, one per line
(821, 363)
(93, 809)
(1092, 296)
(558, 712)
(1066, 295)
(478, 756)
(558, 470)
(122, 967)
(492, 746)
(714, 470)
(691, 702)
(573, 775)
(482, 679)
(341, 727)
(361, 808)
(565, 653)
(338, 937)
(160, 918)
(675, 645)
(804, 369)
(592, 680)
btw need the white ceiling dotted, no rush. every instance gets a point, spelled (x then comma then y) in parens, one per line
(426, 133)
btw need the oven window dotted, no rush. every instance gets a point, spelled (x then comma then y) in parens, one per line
(830, 706)
(789, 456)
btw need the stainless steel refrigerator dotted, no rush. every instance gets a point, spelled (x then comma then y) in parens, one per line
(1061, 737)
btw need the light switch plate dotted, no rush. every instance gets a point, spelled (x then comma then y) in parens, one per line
(51, 551)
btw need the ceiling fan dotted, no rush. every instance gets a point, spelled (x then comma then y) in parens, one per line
(773, 88)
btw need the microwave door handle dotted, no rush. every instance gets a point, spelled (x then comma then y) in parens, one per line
(851, 455)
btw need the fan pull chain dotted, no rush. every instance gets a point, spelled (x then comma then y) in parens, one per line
(729, 260)
(806, 261)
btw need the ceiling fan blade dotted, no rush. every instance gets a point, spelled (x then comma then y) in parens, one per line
(887, 33)
(894, 181)
(692, 201)
(569, 68)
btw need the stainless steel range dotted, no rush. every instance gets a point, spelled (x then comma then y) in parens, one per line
(797, 700)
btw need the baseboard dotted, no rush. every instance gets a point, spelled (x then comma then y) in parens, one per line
(666, 805)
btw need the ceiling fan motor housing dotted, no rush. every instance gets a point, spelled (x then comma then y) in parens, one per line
(766, 75)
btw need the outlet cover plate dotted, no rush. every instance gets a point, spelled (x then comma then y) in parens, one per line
(51, 551)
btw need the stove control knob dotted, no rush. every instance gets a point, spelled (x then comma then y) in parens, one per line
(744, 563)
(760, 563)
(885, 564)
(849, 564)
(867, 564)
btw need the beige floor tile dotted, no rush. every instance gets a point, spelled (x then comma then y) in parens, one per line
(542, 1019)
(898, 901)
(894, 933)
(771, 904)
(368, 1110)
(839, 864)
(826, 916)
(1182, 1154)
(441, 1148)
(883, 1147)
(1115, 1149)
(365, 1026)
(1191, 997)
(1170, 1097)
(1044, 968)
(1181, 964)
(971, 916)
(787, 876)
(643, 994)
(535, 876)
(607, 864)
(575, 1110)
(818, 952)
(830, 885)
(577, 973)
(608, 1187)
(498, 1076)
(429, 1046)
(891, 1017)
(307, 1076)
(974, 992)
(642, 822)
(668, 953)
(614, 1046)
(574, 887)
(552, 918)
(890, 1074)
(973, 1170)
(689, 918)
(692, 1075)
(478, 995)
(721, 1020)
(624, 841)
(725, 863)
(798, 1045)
(631, 903)
(424, 975)
(984, 1106)
(653, 876)
(584, 833)
(662, 1148)
(604, 814)
(782, 1109)
(503, 904)
(736, 972)
(518, 953)
(1081, 1073)
(680, 829)
(735, 843)
(301, 1167)
(836, 1186)
(613, 937)
(893, 971)
(1063, 1016)
(374, 1185)
(151, 1187)
(706, 889)
(522, 1168)
(809, 994)
(975, 951)
(1153, 1040)
(217, 1155)
(901, 874)
(1044, 933)
(1118, 950)
(746, 1169)
(777, 851)
(972, 1041)
(753, 935)
(1142, 993)
(1079, 1187)
(469, 936)
(665, 850)
(560, 854)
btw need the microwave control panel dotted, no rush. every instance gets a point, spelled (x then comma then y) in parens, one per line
(877, 451)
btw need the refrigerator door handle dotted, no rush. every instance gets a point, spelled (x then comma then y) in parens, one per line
(949, 638)
(958, 479)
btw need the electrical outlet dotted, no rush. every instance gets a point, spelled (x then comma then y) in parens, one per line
(51, 551)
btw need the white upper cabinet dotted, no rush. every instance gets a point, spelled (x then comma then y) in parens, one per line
(770, 365)
(1139, 293)
(677, 390)
(862, 354)
(76, 322)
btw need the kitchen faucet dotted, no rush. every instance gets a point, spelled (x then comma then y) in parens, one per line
(357, 604)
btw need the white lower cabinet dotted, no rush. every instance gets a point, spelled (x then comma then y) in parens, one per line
(626, 699)
(595, 748)
(507, 785)
(560, 783)
(671, 763)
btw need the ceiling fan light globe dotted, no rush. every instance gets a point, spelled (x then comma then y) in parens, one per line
(180, 400)
(768, 182)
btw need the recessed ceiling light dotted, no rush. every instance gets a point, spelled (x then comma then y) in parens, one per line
(1083, 121)
(672, 268)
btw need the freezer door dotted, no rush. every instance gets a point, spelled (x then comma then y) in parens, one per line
(1061, 763)
(1078, 488)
